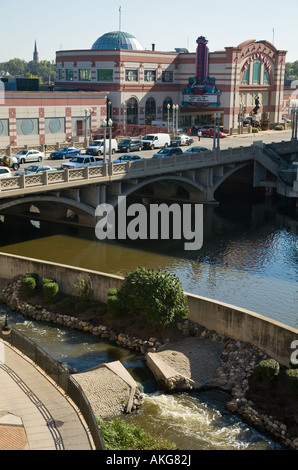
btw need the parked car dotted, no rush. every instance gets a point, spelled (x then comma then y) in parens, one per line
(11, 162)
(154, 141)
(81, 161)
(197, 150)
(5, 172)
(128, 145)
(33, 169)
(181, 139)
(97, 147)
(168, 152)
(210, 133)
(27, 155)
(65, 152)
(128, 158)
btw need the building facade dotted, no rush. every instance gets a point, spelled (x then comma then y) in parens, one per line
(144, 85)
(36, 118)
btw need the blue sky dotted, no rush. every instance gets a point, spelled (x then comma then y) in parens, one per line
(75, 24)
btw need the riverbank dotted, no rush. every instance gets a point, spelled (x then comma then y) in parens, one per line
(236, 361)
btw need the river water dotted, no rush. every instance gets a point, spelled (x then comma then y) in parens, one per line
(249, 258)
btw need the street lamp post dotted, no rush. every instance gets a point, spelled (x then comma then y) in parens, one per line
(216, 130)
(168, 109)
(110, 123)
(173, 118)
(177, 117)
(88, 115)
(124, 120)
(104, 139)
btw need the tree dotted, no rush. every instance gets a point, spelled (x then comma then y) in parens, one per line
(156, 294)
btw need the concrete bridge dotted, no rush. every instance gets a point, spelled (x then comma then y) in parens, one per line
(71, 196)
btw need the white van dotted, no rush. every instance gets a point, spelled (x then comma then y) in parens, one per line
(96, 147)
(154, 141)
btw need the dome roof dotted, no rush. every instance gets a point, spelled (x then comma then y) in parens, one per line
(117, 40)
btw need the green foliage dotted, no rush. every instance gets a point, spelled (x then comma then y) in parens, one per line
(84, 288)
(50, 291)
(44, 69)
(254, 130)
(292, 379)
(114, 306)
(29, 284)
(267, 370)
(45, 280)
(279, 127)
(66, 302)
(156, 294)
(120, 435)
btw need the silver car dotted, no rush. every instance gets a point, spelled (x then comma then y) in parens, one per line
(27, 155)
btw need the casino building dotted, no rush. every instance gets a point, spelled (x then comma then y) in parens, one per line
(236, 82)
(119, 78)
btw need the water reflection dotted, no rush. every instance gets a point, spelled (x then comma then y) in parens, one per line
(249, 256)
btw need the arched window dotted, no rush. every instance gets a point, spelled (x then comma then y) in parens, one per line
(256, 73)
(132, 111)
(165, 108)
(150, 111)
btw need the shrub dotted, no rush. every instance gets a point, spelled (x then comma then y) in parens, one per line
(28, 285)
(267, 370)
(112, 291)
(119, 435)
(45, 280)
(84, 287)
(292, 379)
(114, 307)
(156, 294)
(66, 302)
(254, 130)
(279, 127)
(50, 291)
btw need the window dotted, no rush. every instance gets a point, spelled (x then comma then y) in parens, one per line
(105, 75)
(84, 74)
(150, 111)
(131, 75)
(150, 75)
(167, 76)
(69, 75)
(132, 111)
(256, 73)
(60, 74)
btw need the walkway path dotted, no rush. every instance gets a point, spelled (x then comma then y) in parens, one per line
(34, 413)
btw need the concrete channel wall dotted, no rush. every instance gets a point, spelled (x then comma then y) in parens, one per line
(270, 336)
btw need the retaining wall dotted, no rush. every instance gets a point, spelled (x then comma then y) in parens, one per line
(270, 336)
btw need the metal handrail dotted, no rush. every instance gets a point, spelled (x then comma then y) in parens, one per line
(61, 377)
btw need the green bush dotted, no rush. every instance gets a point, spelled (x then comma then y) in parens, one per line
(50, 291)
(28, 285)
(255, 130)
(45, 280)
(84, 288)
(112, 291)
(279, 127)
(114, 307)
(120, 435)
(267, 370)
(292, 379)
(156, 294)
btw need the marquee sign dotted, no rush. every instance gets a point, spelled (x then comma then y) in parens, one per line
(201, 90)
(257, 56)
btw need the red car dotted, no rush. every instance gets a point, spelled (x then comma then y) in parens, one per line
(210, 133)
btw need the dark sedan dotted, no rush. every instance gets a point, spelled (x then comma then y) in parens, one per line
(128, 145)
(197, 150)
(168, 152)
(65, 152)
(128, 158)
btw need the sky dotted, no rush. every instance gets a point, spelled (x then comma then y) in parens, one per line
(62, 25)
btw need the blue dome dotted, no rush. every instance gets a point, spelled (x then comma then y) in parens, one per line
(118, 40)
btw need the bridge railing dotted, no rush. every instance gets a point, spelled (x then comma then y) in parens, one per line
(111, 171)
